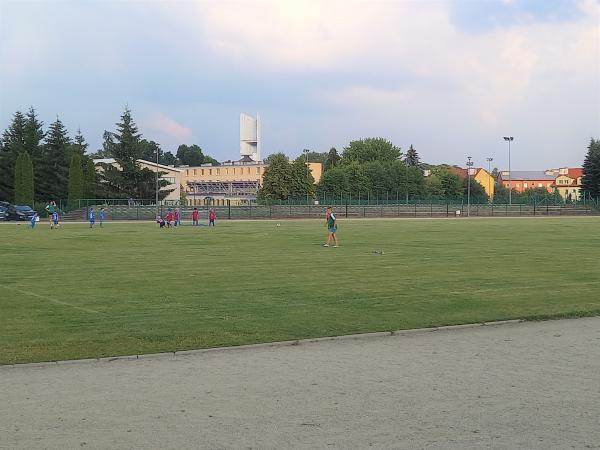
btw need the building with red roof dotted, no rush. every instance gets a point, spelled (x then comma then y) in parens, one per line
(568, 183)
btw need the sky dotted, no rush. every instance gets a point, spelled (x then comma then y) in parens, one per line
(449, 77)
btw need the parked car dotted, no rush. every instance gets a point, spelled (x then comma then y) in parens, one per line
(3, 212)
(19, 212)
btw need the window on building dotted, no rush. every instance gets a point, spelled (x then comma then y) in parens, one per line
(187, 172)
(258, 170)
(170, 180)
(210, 171)
(218, 171)
(202, 171)
(525, 185)
(248, 170)
(194, 171)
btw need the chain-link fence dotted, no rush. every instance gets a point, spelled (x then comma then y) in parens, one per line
(147, 210)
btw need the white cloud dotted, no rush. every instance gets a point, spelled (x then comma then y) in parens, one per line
(159, 124)
(492, 72)
(380, 67)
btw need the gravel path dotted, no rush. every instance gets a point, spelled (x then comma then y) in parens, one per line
(528, 385)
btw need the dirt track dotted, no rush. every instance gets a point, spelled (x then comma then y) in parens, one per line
(528, 385)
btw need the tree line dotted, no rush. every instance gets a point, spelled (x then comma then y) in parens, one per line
(366, 168)
(37, 165)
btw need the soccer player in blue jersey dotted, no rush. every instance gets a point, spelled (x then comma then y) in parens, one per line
(92, 217)
(34, 219)
(55, 219)
(101, 216)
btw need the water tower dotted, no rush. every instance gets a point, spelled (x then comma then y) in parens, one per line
(250, 136)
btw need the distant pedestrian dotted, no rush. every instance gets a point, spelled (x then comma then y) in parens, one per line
(195, 217)
(176, 217)
(101, 216)
(331, 228)
(92, 217)
(211, 217)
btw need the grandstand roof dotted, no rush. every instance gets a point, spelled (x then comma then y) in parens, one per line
(143, 161)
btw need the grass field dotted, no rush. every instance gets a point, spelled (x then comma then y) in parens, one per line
(132, 288)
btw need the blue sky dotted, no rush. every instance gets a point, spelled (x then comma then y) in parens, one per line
(449, 77)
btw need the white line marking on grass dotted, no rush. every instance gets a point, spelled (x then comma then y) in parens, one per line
(52, 300)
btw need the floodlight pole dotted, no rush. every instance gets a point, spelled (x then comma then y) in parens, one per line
(156, 187)
(489, 161)
(509, 139)
(306, 154)
(469, 165)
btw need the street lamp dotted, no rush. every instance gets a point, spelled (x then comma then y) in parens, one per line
(509, 139)
(306, 151)
(489, 161)
(469, 165)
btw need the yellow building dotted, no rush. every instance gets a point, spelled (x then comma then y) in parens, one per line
(234, 181)
(568, 183)
(480, 175)
(170, 174)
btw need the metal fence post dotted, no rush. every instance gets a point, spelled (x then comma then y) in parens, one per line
(229, 209)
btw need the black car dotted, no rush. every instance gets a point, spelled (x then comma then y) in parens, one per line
(16, 212)
(3, 212)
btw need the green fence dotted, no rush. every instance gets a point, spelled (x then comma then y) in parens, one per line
(140, 211)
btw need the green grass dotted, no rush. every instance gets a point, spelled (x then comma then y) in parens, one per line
(132, 288)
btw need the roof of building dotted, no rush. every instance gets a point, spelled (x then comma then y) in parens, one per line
(463, 172)
(143, 161)
(575, 173)
(537, 175)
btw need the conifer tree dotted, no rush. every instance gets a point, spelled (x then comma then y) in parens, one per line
(24, 180)
(13, 143)
(90, 178)
(412, 157)
(18, 178)
(76, 183)
(33, 136)
(129, 179)
(54, 173)
(591, 170)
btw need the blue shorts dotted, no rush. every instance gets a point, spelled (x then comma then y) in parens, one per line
(332, 230)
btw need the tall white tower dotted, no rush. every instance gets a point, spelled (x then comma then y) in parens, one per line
(250, 136)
